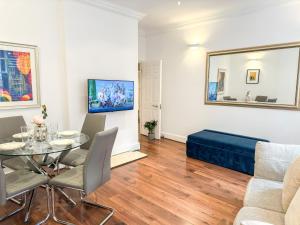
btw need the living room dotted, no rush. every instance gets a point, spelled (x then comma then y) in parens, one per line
(201, 119)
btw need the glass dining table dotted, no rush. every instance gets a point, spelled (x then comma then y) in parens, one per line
(57, 147)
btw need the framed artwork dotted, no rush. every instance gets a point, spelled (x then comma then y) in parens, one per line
(221, 81)
(19, 78)
(252, 76)
(212, 91)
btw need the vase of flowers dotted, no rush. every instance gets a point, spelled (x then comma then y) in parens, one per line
(40, 128)
(150, 126)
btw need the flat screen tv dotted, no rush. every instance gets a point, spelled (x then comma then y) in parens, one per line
(110, 95)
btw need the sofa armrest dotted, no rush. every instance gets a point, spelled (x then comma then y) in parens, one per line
(254, 222)
(272, 160)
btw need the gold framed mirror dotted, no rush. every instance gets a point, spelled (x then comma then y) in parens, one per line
(263, 76)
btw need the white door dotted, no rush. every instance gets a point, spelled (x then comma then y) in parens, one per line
(150, 94)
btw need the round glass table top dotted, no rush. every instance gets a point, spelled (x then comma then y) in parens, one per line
(10, 147)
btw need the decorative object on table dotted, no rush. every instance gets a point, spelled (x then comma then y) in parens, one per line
(150, 126)
(212, 91)
(19, 79)
(221, 81)
(40, 129)
(44, 112)
(248, 96)
(11, 146)
(252, 76)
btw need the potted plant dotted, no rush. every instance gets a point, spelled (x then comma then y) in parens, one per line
(150, 126)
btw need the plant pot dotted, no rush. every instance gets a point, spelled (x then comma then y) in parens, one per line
(151, 136)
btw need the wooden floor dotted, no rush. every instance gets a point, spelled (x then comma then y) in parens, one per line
(164, 188)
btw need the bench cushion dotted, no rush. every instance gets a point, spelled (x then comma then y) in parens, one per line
(224, 149)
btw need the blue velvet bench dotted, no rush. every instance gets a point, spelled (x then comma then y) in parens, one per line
(231, 151)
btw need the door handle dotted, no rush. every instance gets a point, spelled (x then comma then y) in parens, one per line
(155, 106)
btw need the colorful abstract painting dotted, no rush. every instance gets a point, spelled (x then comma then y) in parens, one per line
(18, 76)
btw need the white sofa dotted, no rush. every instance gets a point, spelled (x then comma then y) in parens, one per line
(263, 200)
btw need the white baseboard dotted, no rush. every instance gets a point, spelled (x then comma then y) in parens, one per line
(128, 148)
(174, 137)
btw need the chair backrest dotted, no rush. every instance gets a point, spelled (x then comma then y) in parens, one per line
(11, 125)
(92, 124)
(260, 98)
(97, 163)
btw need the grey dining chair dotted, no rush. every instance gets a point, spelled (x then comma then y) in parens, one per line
(19, 183)
(8, 127)
(92, 174)
(92, 124)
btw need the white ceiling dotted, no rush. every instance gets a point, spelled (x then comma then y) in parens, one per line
(163, 13)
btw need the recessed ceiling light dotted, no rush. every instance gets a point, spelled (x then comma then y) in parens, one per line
(179, 3)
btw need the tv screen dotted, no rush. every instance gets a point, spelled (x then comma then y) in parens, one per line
(110, 95)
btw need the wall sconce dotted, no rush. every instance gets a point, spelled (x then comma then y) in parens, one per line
(194, 45)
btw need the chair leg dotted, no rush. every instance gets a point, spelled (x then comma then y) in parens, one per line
(48, 207)
(67, 197)
(16, 201)
(111, 210)
(14, 212)
(29, 206)
(53, 210)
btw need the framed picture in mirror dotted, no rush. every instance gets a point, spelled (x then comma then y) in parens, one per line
(221, 81)
(252, 76)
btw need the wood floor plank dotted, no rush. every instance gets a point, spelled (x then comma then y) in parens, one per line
(166, 188)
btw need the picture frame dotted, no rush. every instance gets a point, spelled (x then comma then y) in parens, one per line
(19, 76)
(252, 76)
(221, 81)
(212, 91)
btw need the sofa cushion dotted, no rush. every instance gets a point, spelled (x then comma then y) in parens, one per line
(292, 216)
(272, 160)
(258, 214)
(264, 194)
(254, 222)
(291, 183)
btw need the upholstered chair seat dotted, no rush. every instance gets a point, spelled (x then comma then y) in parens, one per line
(19, 183)
(72, 178)
(22, 180)
(75, 157)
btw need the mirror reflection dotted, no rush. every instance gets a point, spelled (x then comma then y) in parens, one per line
(262, 77)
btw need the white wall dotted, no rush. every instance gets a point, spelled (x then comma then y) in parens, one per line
(37, 22)
(76, 41)
(100, 45)
(183, 108)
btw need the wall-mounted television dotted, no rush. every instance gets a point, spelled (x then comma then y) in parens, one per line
(110, 95)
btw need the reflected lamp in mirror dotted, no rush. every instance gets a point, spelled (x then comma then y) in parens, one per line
(265, 76)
